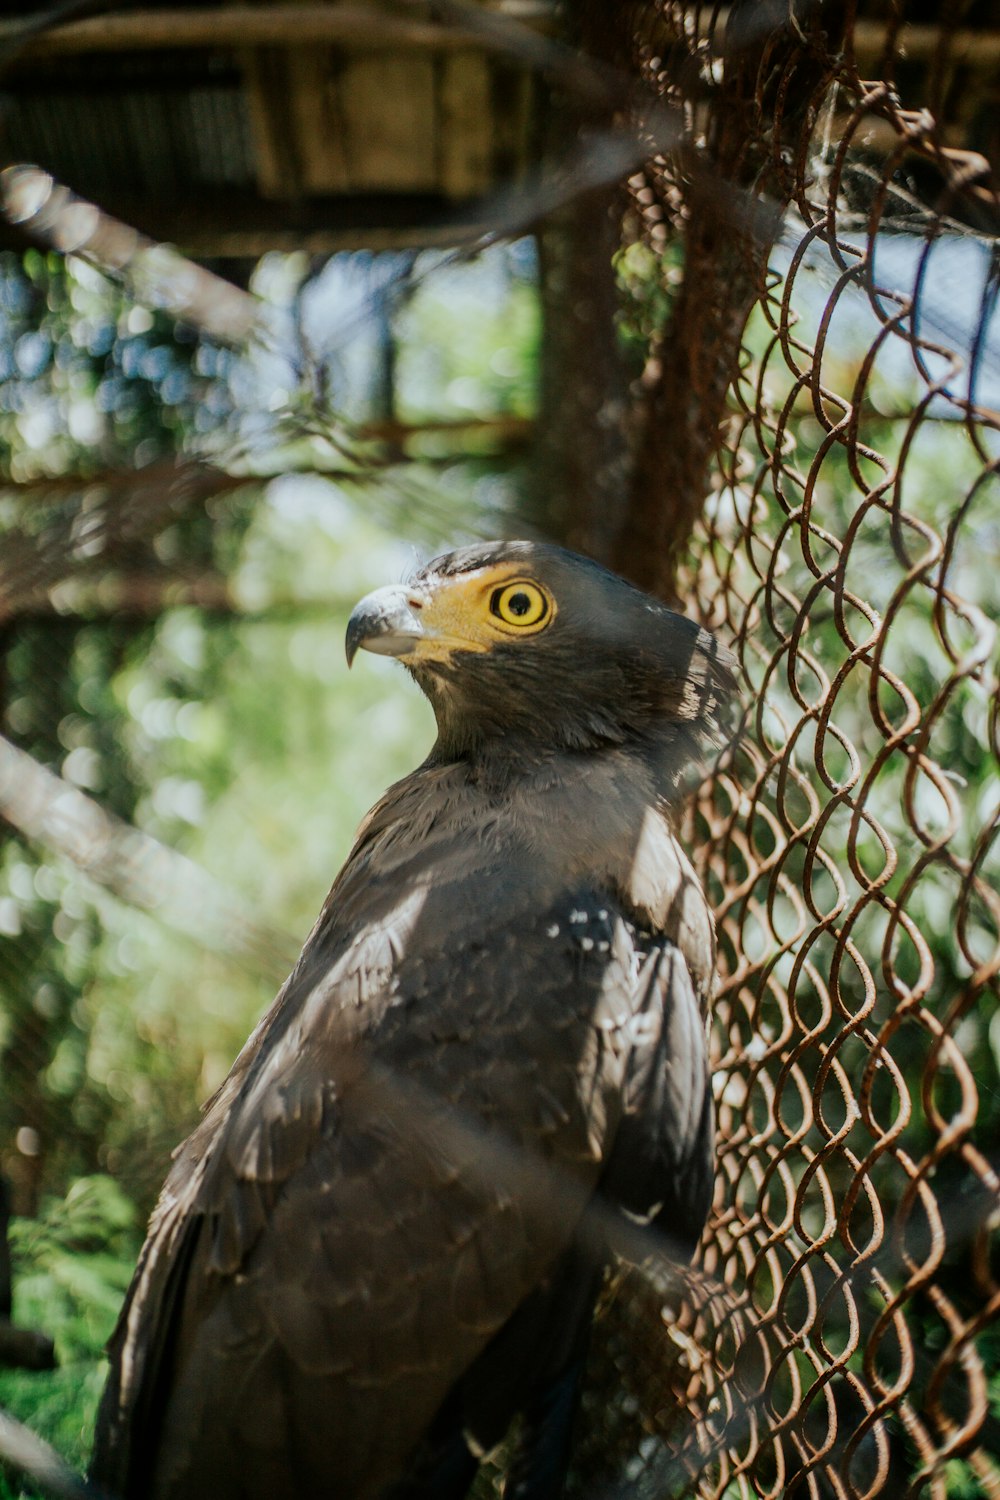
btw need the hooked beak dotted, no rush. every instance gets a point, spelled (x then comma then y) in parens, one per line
(387, 622)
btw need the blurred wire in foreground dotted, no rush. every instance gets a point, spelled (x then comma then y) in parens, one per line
(40, 1463)
(158, 275)
(136, 867)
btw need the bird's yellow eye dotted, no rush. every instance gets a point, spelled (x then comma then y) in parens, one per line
(521, 604)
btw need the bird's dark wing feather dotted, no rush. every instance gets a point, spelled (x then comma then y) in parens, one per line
(661, 1164)
(398, 1161)
(660, 1170)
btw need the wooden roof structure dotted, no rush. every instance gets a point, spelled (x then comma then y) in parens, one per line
(232, 129)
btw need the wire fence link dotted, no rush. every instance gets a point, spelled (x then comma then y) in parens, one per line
(841, 1336)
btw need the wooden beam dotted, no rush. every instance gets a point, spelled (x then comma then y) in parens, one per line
(219, 241)
(454, 438)
(364, 27)
(370, 28)
(139, 596)
(237, 224)
(977, 49)
(466, 129)
(385, 106)
(503, 429)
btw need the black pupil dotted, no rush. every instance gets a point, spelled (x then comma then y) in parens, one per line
(519, 604)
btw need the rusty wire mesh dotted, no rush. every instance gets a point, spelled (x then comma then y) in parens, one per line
(843, 1340)
(840, 1336)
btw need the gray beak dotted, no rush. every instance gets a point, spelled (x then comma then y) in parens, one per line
(386, 622)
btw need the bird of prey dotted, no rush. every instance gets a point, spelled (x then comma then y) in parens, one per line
(385, 1238)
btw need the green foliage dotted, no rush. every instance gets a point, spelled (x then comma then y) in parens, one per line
(647, 285)
(87, 377)
(89, 383)
(468, 347)
(237, 738)
(72, 1265)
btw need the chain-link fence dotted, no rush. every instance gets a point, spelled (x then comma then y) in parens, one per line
(842, 1341)
(840, 1335)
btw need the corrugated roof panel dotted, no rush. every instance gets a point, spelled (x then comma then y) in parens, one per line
(221, 128)
(160, 143)
(81, 139)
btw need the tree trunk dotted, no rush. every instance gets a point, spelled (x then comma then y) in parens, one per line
(581, 450)
(775, 76)
(623, 474)
(21, 1347)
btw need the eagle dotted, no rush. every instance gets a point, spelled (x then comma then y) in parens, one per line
(384, 1240)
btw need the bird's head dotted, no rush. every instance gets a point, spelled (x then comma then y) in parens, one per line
(531, 646)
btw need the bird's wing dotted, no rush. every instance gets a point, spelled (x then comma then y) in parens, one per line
(661, 1167)
(401, 1163)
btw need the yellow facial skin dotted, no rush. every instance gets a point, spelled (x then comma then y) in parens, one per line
(475, 611)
